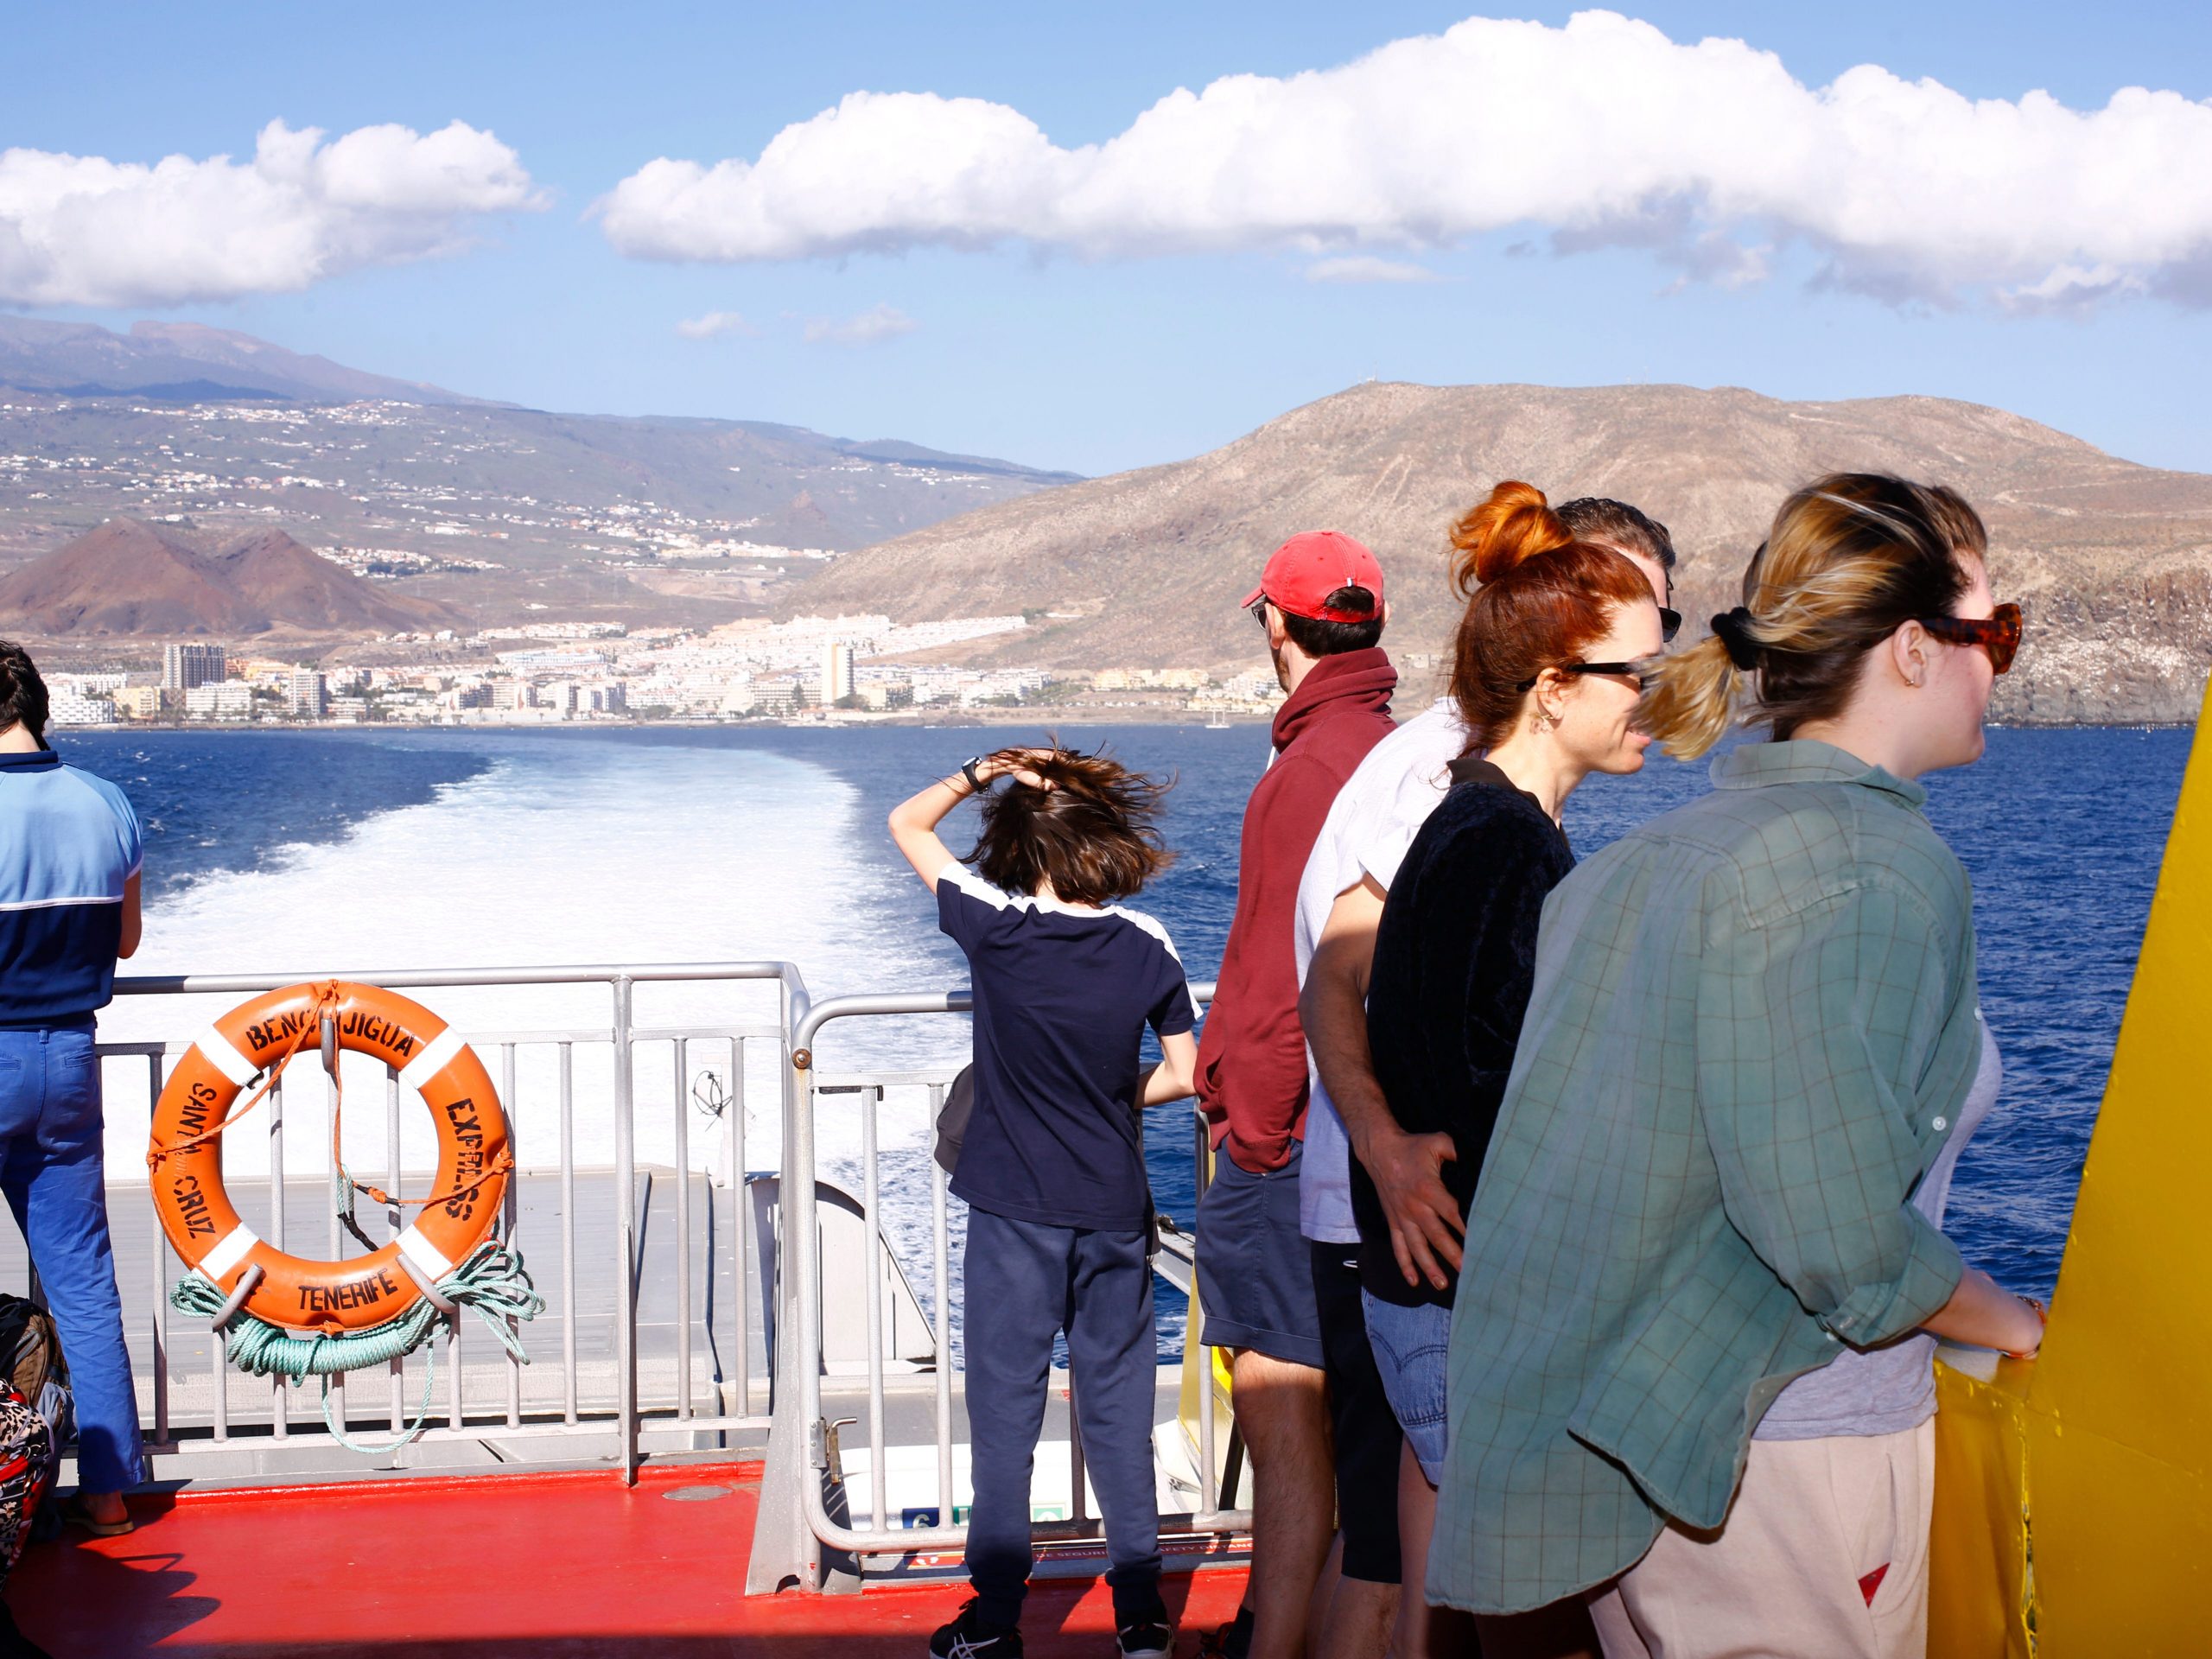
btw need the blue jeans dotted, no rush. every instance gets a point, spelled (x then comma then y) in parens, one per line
(1022, 1282)
(50, 1169)
(1412, 1348)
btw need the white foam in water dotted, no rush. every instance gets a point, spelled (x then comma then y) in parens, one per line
(565, 851)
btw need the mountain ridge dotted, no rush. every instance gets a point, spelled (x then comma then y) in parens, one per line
(2113, 561)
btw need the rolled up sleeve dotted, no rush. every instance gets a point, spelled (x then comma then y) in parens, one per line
(1803, 1025)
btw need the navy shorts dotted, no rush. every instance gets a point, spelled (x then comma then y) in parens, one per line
(1255, 1281)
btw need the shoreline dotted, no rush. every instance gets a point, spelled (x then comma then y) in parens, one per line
(968, 720)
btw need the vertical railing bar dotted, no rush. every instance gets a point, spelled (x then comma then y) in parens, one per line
(741, 1224)
(511, 1216)
(626, 1331)
(568, 1233)
(331, 1159)
(872, 1277)
(1076, 1473)
(279, 1412)
(941, 1314)
(393, 1228)
(1209, 1487)
(683, 1235)
(455, 1415)
(161, 1290)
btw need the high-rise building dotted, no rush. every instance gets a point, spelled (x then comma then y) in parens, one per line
(307, 695)
(837, 672)
(185, 666)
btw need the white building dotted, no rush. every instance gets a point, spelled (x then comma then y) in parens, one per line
(837, 672)
(73, 705)
(307, 694)
(219, 699)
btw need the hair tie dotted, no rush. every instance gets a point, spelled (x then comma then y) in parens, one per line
(1733, 629)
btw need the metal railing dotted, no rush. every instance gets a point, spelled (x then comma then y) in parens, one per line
(803, 1477)
(199, 1423)
(203, 1415)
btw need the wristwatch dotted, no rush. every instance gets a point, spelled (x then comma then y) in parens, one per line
(975, 784)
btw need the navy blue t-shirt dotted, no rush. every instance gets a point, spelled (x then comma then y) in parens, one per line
(1063, 994)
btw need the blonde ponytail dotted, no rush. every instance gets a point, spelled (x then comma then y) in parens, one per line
(1850, 559)
(1691, 698)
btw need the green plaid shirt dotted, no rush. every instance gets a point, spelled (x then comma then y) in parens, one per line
(1752, 1023)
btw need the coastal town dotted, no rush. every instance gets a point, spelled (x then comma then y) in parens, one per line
(810, 669)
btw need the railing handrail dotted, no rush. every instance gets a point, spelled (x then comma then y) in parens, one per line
(437, 978)
(894, 1003)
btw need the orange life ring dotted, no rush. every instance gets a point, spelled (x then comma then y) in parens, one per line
(203, 1226)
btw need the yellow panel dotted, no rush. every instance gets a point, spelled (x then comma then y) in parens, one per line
(1977, 1556)
(2121, 1540)
(2074, 1493)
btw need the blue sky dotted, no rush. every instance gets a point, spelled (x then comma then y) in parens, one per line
(1072, 352)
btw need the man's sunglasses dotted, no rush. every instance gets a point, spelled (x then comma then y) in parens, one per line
(1635, 671)
(1999, 633)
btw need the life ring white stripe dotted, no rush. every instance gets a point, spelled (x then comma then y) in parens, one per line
(427, 1258)
(229, 1251)
(432, 1060)
(223, 1054)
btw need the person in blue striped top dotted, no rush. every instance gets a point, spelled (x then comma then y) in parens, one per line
(69, 878)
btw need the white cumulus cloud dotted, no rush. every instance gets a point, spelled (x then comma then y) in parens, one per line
(1367, 268)
(713, 323)
(81, 230)
(1709, 154)
(872, 326)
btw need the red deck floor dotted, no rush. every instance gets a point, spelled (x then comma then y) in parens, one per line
(575, 1565)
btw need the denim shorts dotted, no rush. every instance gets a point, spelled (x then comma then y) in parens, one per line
(1410, 1345)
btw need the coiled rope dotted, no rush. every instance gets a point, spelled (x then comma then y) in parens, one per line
(493, 1280)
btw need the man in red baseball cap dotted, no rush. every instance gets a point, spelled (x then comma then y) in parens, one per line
(1320, 599)
(1318, 576)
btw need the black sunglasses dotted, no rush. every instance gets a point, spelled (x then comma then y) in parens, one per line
(1634, 671)
(1670, 624)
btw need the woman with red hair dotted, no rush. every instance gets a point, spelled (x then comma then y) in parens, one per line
(1547, 670)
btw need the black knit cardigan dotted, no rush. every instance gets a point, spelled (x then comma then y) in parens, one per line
(1453, 958)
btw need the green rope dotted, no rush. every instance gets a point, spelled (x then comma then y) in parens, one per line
(493, 1280)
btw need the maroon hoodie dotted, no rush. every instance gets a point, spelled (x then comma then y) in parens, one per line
(1252, 1054)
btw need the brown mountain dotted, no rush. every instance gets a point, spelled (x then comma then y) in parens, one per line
(130, 577)
(295, 586)
(2113, 561)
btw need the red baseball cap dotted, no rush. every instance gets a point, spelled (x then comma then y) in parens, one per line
(1305, 570)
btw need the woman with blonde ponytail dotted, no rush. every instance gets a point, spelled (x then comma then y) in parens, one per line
(1692, 1352)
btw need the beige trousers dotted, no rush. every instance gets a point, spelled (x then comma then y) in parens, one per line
(1780, 1579)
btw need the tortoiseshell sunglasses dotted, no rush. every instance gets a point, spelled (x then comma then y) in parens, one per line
(1999, 633)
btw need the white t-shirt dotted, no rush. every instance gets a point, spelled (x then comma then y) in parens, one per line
(1373, 821)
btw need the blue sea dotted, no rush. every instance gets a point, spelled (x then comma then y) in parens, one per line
(323, 850)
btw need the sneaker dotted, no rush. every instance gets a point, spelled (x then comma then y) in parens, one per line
(1148, 1637)
(973, 1636)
